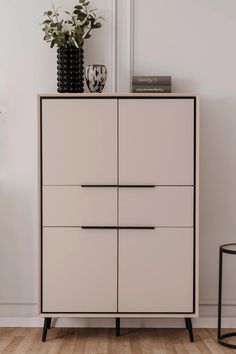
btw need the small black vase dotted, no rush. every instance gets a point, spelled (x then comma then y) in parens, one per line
(70, 69)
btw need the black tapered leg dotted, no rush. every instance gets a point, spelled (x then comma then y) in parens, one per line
(46, 326)
(188, 323)
(49, 322)
(117, 327)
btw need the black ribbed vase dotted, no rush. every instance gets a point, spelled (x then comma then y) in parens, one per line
(70, 69)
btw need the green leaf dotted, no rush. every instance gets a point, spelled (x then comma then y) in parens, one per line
(67, 12)
(47, 21)
(82, 1)
(49, 13)
(86, 24)
(78, 7)
(53, 42)
(87, 36)
(97, 25)
(81, 15)
(92, 20)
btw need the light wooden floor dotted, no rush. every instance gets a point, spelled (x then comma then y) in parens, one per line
(104, 341)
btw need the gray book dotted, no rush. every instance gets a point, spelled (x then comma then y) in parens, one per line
(151, 80)
(157, 89)
(151, 86)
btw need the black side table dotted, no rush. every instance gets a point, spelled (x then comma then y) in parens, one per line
(229, 248)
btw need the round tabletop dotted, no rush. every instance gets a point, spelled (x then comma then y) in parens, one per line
(228, 248)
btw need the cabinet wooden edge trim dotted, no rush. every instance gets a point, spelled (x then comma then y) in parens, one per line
(195, 97)
(116, 94)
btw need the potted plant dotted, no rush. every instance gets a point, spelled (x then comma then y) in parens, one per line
(69, 34)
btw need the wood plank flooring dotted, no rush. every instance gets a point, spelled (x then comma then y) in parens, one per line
(104, 341)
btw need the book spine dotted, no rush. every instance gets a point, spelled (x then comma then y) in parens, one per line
(157, 89)
(151, 80)
(151, 86)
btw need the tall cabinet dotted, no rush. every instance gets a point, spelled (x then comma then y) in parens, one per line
(118, 206)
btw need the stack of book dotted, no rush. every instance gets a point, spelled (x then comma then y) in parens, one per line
(158, 84)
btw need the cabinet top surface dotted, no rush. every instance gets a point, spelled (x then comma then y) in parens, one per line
(115, 95)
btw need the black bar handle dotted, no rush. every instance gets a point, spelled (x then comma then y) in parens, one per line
(120, 227)
(136, 227)
(118, 185)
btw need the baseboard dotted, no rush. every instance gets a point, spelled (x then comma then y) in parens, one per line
(25, 315)
(202, 322)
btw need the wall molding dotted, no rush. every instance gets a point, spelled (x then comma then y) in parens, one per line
(114, 45)
(124, 44)
(18, 301)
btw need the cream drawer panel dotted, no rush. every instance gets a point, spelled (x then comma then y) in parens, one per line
(156, 270)
(79, 141)
(156, 141)
(78, 206)
(79, 270)
(158, 206)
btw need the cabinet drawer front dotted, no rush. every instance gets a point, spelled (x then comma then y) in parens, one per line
(79, 270)
(156, 270)
(77, 206)
(159, 206)
(79, 141)
(156, 141)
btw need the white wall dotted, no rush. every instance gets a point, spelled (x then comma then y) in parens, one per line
(192, 40)
(27, 67)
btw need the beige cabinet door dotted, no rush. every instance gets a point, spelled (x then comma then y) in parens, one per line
(159, 206)
(156, 141)
(78, 206)
(79, 141)
(79, 270)
(156, 270)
